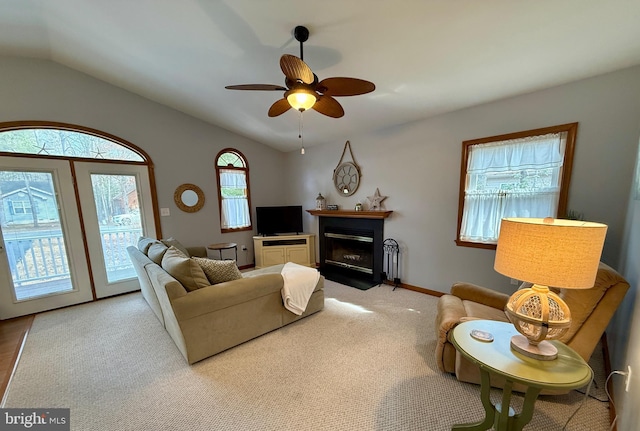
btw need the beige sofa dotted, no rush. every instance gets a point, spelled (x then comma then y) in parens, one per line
(591, 311)
(210, 319)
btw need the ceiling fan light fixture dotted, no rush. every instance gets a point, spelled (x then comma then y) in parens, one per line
(303, 90)
(301, 99)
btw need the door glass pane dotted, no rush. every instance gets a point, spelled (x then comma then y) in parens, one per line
(33, 235)
(118, 210)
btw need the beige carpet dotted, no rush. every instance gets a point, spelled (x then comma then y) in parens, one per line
(363, 363)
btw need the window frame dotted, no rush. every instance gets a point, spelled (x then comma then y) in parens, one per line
(245, 170)
(571, 130)
(24, 206)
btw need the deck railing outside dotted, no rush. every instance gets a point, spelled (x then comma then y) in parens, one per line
(40, 257)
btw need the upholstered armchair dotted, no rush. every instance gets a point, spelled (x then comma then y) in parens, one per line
(591, 311)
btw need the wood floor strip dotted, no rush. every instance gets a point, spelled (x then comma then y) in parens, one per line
(13, 334)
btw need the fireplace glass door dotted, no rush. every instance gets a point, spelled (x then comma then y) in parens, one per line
(354, 252)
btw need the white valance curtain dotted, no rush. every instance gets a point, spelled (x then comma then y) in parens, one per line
(234, 205)
(486, 202)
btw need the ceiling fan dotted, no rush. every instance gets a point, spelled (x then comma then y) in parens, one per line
(303, 90)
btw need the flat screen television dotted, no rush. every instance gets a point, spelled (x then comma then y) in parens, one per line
(280, 219)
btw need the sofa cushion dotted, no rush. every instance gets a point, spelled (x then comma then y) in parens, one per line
(174, 242)
(219, 271)
(144, 243)
(156, 252)
(184, 269)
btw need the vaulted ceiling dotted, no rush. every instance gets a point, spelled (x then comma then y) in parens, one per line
(426, 57)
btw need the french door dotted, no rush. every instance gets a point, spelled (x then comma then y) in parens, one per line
(64, 229)
(117, 210)
(42, 255)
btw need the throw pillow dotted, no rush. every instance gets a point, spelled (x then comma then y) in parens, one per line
(219, 271)
(144, 243)
(184, 269)
(174, 242)
(156, 252)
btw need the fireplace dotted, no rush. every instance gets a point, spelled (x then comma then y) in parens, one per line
(351, 247)
(347, 250)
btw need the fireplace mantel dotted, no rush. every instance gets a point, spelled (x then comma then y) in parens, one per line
(351, 214)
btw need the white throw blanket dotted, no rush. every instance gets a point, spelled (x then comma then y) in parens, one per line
(299, 282)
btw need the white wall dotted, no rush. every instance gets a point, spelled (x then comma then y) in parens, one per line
(624, 332)
(182, 148)
(417, 166)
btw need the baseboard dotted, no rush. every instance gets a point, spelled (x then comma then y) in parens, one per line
(415, 288)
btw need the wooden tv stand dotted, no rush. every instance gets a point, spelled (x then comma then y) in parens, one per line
(278, 249)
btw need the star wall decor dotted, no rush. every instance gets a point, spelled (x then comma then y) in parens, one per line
(375, 201)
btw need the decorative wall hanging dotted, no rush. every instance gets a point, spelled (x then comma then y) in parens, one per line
(346, 176)
(375, 201)
(189, 198)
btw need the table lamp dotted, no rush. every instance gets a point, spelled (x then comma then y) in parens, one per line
(546, 252)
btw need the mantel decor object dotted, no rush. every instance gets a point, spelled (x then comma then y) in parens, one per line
(375, 201)
(546, 252)
(346, 176)
(321, 202)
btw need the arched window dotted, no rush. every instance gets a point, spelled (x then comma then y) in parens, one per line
(232, 174)
(72, 199)
(64, 140)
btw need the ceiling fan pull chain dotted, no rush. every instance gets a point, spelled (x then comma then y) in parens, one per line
(300, 130)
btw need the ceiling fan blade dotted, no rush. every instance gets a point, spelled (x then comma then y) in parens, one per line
(280, 107)
(345, 86)
(296, 69)
(328, 106)
(258, 87)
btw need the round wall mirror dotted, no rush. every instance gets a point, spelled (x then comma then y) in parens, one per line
(189, 198)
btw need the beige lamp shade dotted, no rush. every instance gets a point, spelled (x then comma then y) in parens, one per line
(550, 252)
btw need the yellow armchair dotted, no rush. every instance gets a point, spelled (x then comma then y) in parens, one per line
(591, 311)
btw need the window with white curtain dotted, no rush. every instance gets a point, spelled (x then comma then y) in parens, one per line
(232, 172)
(523, 174)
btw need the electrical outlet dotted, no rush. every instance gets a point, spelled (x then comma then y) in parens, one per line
(243, 247)
(627, 379)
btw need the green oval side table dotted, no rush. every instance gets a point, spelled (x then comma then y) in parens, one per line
(567, 371)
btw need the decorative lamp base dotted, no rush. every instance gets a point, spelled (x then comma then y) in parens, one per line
(544, 351)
